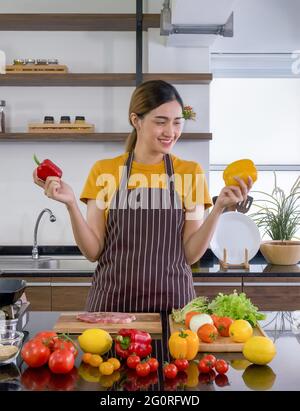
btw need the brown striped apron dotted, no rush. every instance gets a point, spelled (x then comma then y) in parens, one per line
(143, 266)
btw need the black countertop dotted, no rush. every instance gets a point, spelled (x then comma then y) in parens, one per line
(281, 374)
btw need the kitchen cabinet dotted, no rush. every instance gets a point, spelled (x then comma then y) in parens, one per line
(38, 292)
(274, 293)
(210, 287)
(69, 294)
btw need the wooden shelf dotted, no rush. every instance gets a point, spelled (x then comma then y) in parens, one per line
(91, 137)
(96, 79)
(75, 22)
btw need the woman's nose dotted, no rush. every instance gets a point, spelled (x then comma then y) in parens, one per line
(169, 130)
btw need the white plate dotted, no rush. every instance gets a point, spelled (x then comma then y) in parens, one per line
(235, 232)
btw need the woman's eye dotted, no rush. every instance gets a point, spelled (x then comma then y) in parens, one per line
(160, 123)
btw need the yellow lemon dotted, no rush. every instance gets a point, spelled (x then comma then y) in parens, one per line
(259, 377)
(95, 341)
(240, 331)
(259, 350)
(240, 364)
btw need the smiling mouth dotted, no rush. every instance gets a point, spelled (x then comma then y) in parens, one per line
(166, 140)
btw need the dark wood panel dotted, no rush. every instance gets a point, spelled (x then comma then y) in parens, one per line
(212, 291)
(39, 298)
(97, 79)
(76, 22)
(69, 298)
(85, 138)
(274, 298)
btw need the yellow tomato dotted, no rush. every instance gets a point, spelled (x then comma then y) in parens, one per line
(106, 368)
(89, 373)
(95, 360)
(86, 357)
(115, 362)
(259, 350)
(240, 331)
(95, 341)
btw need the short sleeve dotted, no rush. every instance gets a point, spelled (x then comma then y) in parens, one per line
(92, 186)
(196, 191)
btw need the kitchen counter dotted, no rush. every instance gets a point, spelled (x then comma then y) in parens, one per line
(282, 374)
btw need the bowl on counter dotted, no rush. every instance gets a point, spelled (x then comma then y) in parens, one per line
(10, 345)
(281, 252)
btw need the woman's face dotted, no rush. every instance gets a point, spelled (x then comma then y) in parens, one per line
(159, 130)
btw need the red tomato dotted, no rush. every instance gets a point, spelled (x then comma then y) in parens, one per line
(35, 353)
(170, 371)
(188, 317)
(60, 344)
(222, 324)
(181, 364)
(222, 380)
(45, 336)
(143, 369)
(221, 366)
(153, 364)
(61, 361)
(132, 361)
(210, 360)
(207, 333)
(36, 379)
(207, 377)
(203, 367)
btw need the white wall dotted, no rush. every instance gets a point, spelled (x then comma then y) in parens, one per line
(106, 107)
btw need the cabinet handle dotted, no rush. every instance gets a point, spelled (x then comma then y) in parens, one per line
(38, 285)
(272, 284)
(216, 284)
(71, 284)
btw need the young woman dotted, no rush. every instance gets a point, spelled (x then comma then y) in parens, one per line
(145, 210)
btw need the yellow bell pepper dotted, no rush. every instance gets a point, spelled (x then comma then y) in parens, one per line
(184, 345)
(242, 169)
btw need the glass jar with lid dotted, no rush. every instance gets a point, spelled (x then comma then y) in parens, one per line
(65, 120)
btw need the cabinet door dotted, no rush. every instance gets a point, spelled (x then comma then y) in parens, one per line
(274, 293)
(210, 287)
(37, 292)
(70, 294)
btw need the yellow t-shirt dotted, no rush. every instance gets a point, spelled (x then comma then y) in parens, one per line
(105, 175)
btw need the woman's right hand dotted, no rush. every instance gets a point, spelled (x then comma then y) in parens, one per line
(56, 189)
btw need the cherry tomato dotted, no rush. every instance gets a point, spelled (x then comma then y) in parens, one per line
(203, 367)
(60, 344)
(170, 371)
(207, 377)
(132, 361)
(181, 364)
(35, 353)
(222, 380)
(189, 316)
(207, 333)
(221, 366)
(61, 361)
(143, 369)
(210, 360)
(153, 364)
(36, 379)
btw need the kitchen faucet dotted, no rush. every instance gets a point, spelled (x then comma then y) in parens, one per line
(35, 253)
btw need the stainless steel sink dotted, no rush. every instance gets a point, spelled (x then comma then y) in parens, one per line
(61, 263)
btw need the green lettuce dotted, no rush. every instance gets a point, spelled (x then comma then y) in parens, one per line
(197, 304)
(236, 306)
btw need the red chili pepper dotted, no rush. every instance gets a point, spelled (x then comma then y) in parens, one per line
(129, 341)
(47, 169)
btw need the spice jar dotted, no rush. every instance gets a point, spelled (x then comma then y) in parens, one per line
(41, 61)
(2, 116)
(52, 61)
(48, 120)
(18, 62)
(30, 61)
(79, 119)
(65, 120)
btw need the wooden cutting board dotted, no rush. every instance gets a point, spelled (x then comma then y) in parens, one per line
(67, 323)
(222, 344)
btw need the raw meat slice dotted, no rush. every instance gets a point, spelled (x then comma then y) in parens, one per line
(106, 318)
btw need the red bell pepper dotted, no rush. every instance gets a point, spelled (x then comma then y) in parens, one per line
(131, 341)
(47, 169)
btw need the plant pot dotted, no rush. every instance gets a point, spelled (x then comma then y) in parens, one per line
(281, 252)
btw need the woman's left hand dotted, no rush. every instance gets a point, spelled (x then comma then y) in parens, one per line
(230, 196)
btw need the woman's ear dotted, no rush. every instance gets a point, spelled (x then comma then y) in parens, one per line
(134, 119)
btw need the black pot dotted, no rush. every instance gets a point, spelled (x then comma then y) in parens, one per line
(11, 291)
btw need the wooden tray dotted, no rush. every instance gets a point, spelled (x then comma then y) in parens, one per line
(68, 323)
(36, 68)
(222, 344)
(61, 128)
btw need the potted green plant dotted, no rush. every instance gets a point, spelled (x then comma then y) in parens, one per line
(279, 216)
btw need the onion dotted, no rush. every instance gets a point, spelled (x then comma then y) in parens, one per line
(198, 320)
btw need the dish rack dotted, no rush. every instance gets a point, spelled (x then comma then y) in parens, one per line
(224, 265)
